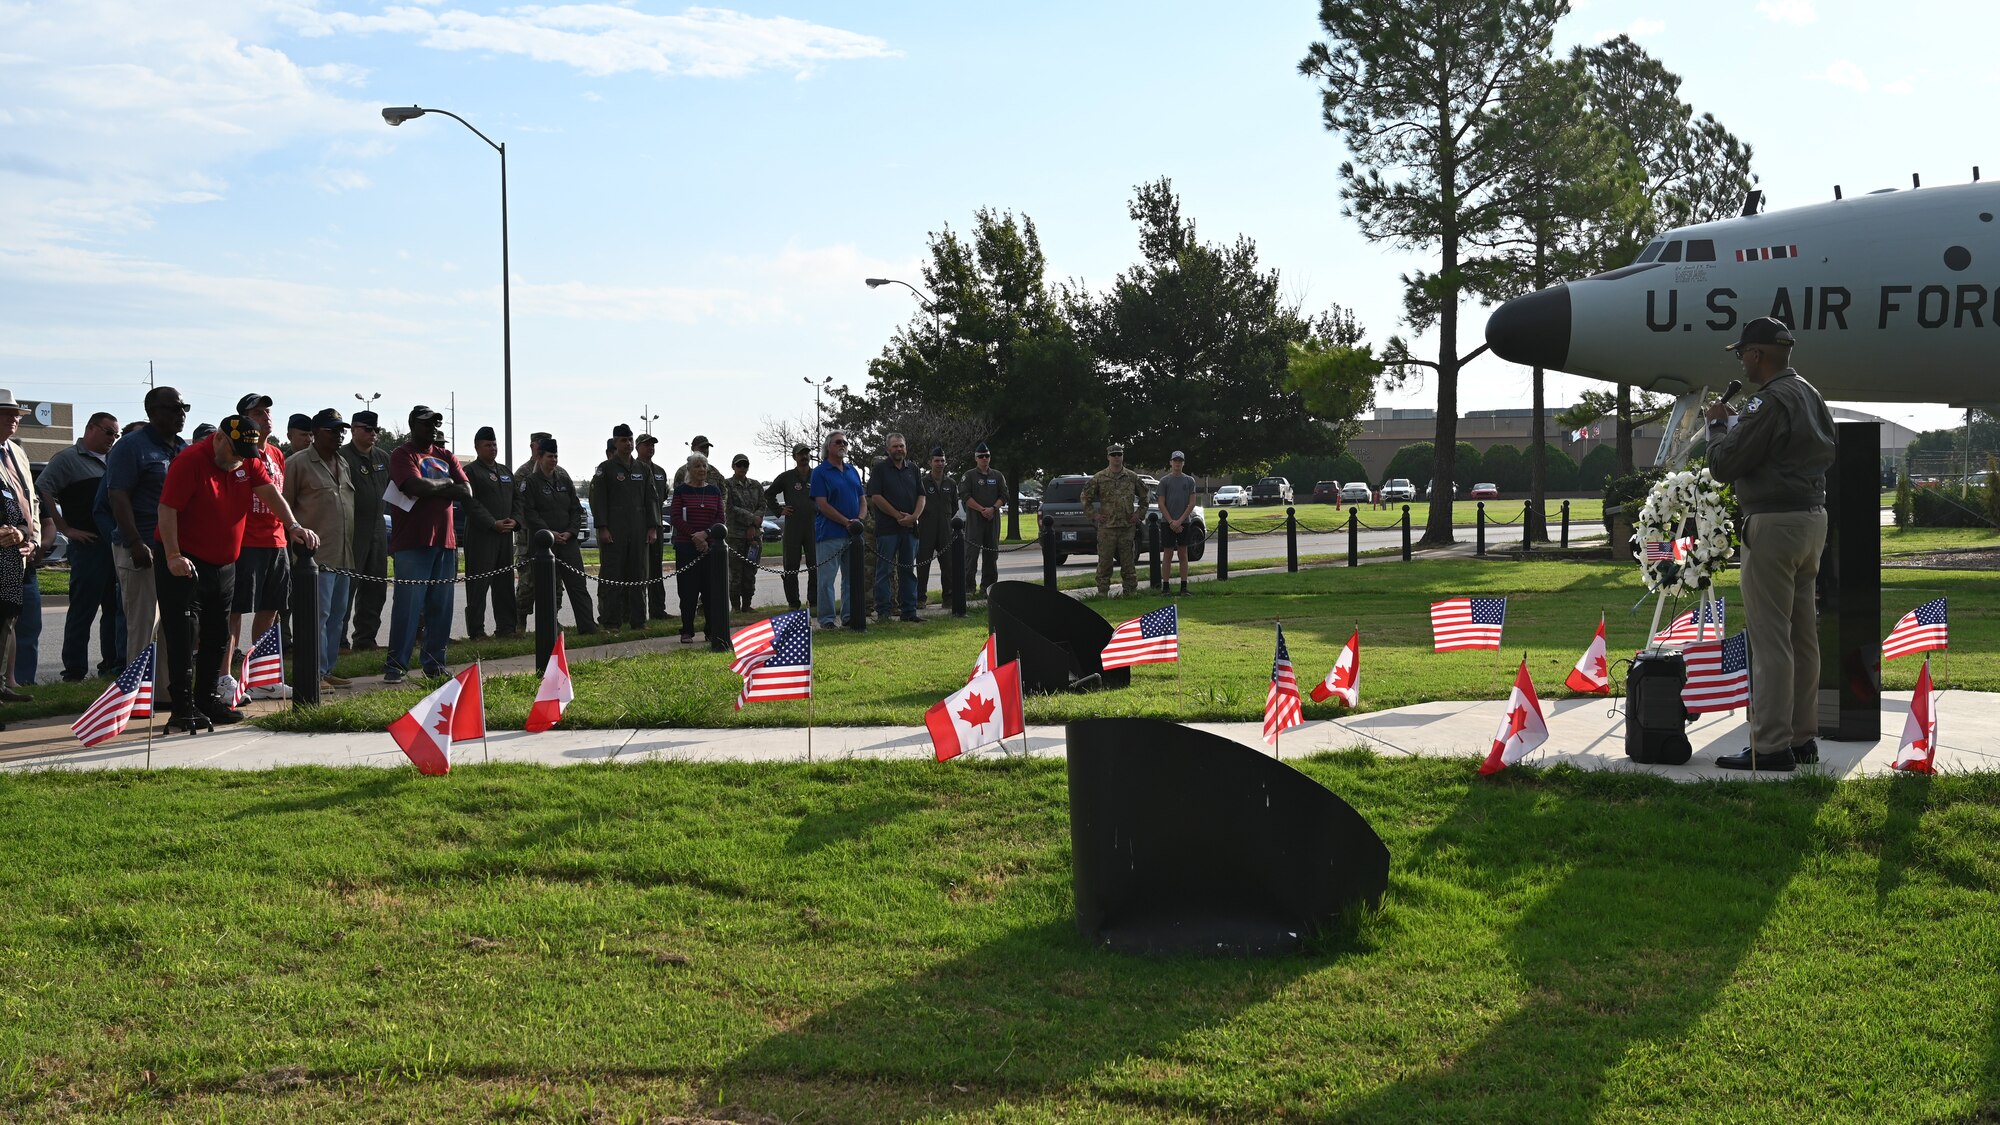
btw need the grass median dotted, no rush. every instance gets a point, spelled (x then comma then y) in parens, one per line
(892, 673)
(893, 942)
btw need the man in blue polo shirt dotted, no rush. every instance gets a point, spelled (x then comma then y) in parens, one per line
(836, 493)
(127, 509)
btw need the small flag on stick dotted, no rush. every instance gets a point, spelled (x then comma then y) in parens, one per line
(983, 712)
(1153, 638)
(1282, 709)
(1521, 730)
(1718, 675)
(1344, 680)
(455, 712)
(1918, 753)
(776, 664)
(1687, 628)
(264, 664)
(988, 659)
(129, 697)
(1592, 674)
(1463, 624)
(1920, 630)
(553, 697)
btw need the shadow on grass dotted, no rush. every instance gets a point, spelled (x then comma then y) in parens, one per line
(340, 792)
(1909, 796)
(820, 829)
(1035, 1010)
(1632, 947)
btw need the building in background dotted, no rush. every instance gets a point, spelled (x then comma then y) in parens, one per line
(47, 428)
(1391, 430)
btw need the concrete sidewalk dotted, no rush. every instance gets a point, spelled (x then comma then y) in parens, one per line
(1583, 733)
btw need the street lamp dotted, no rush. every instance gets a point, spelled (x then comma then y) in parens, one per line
(396, 115)
(819, 418)
(926, 300)
(368, 401)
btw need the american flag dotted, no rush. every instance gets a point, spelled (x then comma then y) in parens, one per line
(1683, 630)
(129, 697)
(264, 665)
(784, 671)
(1919, 630)
(1659, 551)
(751, 641)
(1282, 710)
(1718, 675)
(1153, 638)
(1467, 623)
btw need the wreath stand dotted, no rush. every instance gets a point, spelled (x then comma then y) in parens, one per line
(1655, 716)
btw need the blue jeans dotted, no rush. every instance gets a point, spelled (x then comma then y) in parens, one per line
(28, 630)
(902, 549)
(93, 593)
(333, 589)
(832, 562)
(428, 604)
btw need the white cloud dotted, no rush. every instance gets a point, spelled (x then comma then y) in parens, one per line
(1899, 87)
(1798, 13)
(1842, 72)
(602, 39)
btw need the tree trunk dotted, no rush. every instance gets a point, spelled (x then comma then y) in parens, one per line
(1014, 504)
(1538, 470)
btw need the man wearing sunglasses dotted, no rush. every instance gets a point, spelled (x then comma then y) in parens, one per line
(836, 493)
(1776, 454)
(985, 491)
(128, 508)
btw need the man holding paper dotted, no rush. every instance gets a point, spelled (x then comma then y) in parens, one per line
(424, 479)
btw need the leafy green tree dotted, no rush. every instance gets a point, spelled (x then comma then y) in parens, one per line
(1347, 470)
(1562, 468)
(1420, 91)
(1597, 466)
(1507, 468)
(1470, 463)
(1413, 462)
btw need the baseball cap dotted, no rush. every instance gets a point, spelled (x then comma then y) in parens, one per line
(801, 447)
(739, 459)
(648, 439)
(937, 450)
(243, 434)
(700, 441)
(299, 422)
(328, 419)
(1763, 330)
(203, 430)
(367, 418)
(423, 413)
(251, 401)
(1117, 447)
(1178, 456)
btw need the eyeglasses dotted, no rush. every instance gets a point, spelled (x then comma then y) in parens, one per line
(183, 407)
(836, 441)
(983, 456)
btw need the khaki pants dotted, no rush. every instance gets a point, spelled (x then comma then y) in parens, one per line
(1780, 560)
(1115, 544)
(142, 603)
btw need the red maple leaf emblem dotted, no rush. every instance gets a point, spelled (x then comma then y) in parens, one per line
(978, 711)
(1517, 721)
(444, 719)
(1603, 669)
(1343, 675)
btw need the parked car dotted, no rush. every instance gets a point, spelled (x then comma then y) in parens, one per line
(1031, 496)
(1431, 490)
(1356, 492)
(1484, 491)
(1399, 491)
(1326, 492)
(1232, 496)
(1076, 533)
(1271, 490)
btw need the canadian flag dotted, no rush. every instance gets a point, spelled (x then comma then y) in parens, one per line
(988, 657)
(1919, 748)
(1522, 730)
(1345, 678)
(553, 697)
(979, 714)
(1592, 674)
(455, 712)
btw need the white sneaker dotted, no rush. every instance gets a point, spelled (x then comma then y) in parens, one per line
(228, 690)
(272, 691)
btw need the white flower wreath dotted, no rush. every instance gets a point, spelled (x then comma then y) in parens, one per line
(1672, 502)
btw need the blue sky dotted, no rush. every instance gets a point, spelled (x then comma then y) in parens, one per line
(695, 194)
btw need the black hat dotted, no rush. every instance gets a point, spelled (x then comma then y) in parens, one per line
(648, 439)
(1763, 330)
(367, 418)
(420, 414)
(547, 444)
(937, 450)
(801, 447)
(299, 422)
(739, 459)
(621, 430)
(328, 419)
(243, 434)
(699, 442)
(203, 430)
(485, 433)
(981, 448)
(251, 401)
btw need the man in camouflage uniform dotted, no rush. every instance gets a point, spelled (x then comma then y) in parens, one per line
(743, 504)
(626, 522)
(1113, 499)
(524, 541)
(984, 491)
(934, 531)
(549, 503)
(660, 488)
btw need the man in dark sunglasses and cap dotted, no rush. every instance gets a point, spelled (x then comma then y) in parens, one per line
(128, 508)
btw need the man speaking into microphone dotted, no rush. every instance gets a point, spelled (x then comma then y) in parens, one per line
(1776, 453)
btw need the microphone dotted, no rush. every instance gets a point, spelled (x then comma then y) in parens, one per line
(1729, 391)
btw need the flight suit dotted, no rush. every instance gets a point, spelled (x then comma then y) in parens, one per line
(549, 503)
(524, 550)
(982, 536)
(371, 545)
(494, 497)
(793, 489)
(743, 505)
(934, 538)
(1776, 458)
(1119, 495)
(659, 489)
(621, 502)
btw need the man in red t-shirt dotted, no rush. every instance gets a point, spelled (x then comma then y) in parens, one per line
(204, 508)
(426, 478)
(264, 572)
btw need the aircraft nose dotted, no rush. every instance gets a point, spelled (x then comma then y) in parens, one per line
(1532, 330)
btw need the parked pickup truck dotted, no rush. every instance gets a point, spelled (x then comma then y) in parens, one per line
(1076, 533)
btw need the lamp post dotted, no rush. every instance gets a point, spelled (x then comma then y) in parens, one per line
(819, 417)
(368, 401)
(396, 115)
(926, 300)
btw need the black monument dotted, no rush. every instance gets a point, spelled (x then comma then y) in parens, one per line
(1058, 640)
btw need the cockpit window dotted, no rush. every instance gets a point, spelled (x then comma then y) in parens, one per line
(1701, 250)
(1673, 253)
(1651, 251)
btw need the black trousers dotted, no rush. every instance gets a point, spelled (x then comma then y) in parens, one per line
(623, 559)
(571, 578)
(656, 568)
(194, 610)
(485, 553)
(365, 612)
(982, 556)
(940, 553)
(799, 553)
(691, 579)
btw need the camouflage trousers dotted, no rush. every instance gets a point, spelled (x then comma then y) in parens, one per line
(1115, 545)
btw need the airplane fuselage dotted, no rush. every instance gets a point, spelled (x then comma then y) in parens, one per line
(1894, 297)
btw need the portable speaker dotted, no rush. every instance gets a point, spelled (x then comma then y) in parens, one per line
(1655, 718)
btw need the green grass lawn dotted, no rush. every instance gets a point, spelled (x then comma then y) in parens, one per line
(893, 942)
(892, 673)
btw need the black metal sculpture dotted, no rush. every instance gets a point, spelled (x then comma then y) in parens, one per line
(1058, 640)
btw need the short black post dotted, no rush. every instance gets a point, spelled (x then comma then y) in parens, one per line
(306, 628)
(1406, 533)
(1292, 540)
(857, 606)
(542, 564)
(1153, 547)
(1480, 540)
(954, 578)
(1222, 545)
(1353, 537)
(715, 611)
(1565, 539)
(1048, 555)
(1527, 522)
